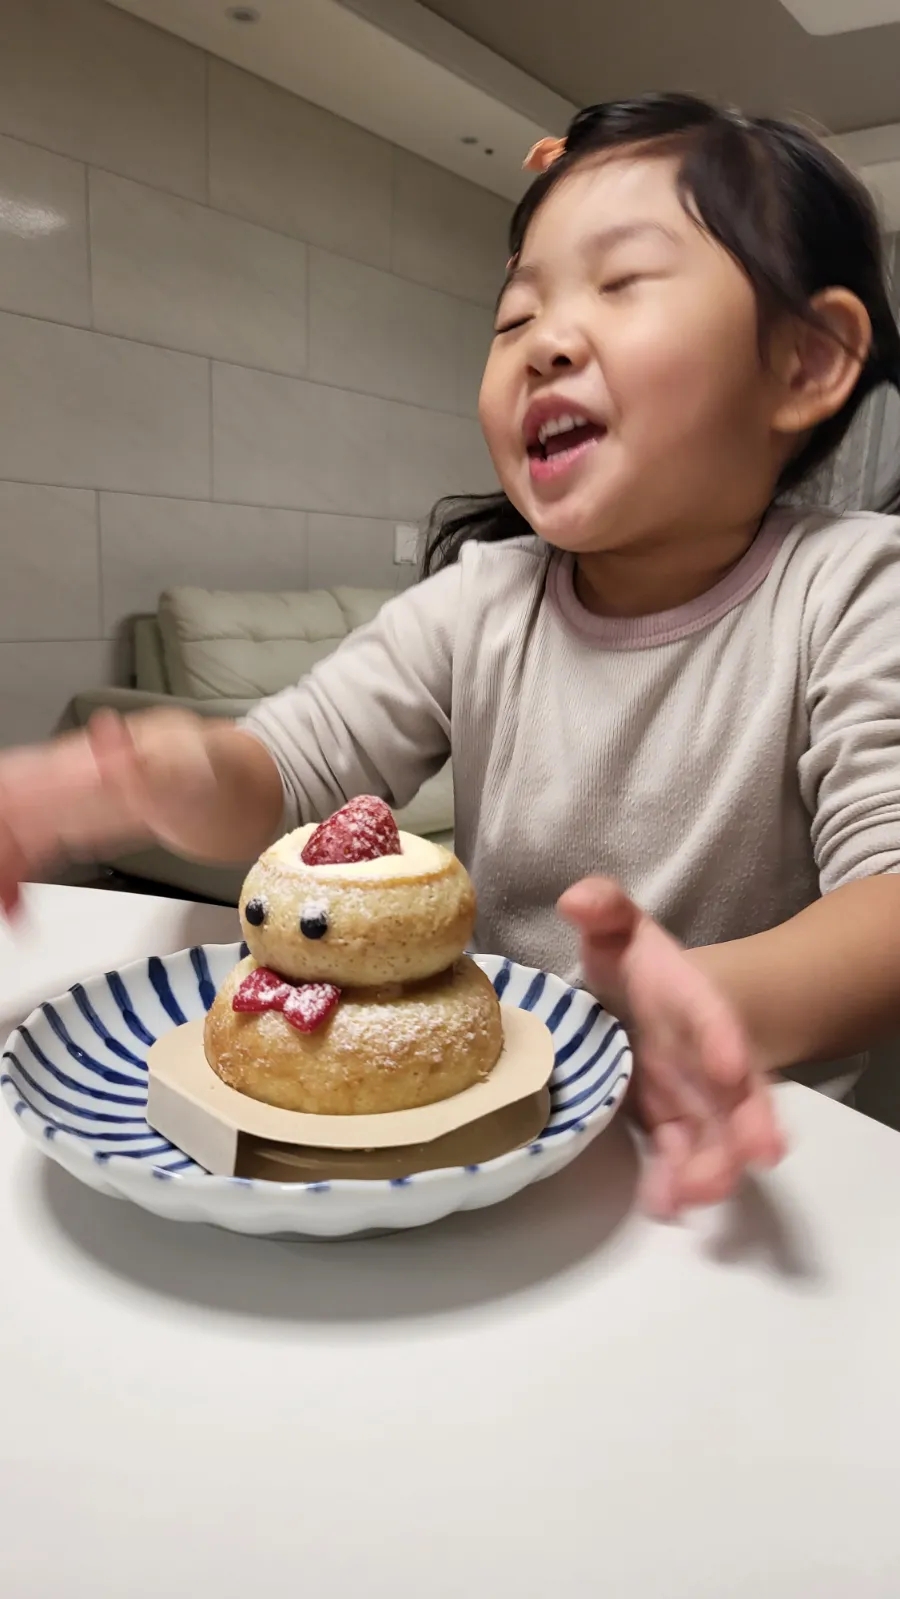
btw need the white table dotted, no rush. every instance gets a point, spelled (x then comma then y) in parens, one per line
(554, 1398)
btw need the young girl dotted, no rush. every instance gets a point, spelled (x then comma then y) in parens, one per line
(645, 665)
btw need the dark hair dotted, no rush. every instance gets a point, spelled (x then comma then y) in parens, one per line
(790, 214)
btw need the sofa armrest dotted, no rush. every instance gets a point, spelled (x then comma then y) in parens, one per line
(125, 700)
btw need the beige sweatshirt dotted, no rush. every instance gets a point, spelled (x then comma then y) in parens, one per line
(727, 761)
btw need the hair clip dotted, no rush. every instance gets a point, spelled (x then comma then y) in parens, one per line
(542, 155)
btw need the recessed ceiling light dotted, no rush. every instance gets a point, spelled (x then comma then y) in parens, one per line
(242, 13)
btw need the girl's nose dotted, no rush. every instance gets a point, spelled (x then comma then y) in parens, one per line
(554, 347)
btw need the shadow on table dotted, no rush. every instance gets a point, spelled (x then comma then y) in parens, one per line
(471, 1259)
(755, 1226)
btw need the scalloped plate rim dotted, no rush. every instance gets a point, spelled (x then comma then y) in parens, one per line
(53, 1141)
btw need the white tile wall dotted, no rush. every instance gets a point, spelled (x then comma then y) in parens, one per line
(37, 681)
(446, 232)
(81, 77)
(178, 274)
(88, 410)
(289, 165)
(51, 573)
(280, 441)
(372, 331)
(193, 541)
(354, 550)
(43, 234)
(238, 338)
(430, 456)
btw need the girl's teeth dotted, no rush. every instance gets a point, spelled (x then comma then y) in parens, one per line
(560, 424)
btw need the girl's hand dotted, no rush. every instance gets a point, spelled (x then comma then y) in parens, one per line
(121, 781)
(704, 1102)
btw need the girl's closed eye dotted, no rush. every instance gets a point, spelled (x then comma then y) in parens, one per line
(510, 326)
(514, 309)
(626, 280)
(616, 279)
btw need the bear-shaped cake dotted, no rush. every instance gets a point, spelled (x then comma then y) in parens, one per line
(356, 997)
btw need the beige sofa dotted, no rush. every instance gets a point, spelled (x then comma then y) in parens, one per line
(217, 653)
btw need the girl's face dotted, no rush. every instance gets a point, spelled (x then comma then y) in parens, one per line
(625, 397)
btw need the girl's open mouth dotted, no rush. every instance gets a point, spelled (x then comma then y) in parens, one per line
(560, 444)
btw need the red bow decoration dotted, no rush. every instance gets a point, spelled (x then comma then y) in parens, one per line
(305, 1005)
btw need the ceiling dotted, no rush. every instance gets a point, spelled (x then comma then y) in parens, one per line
(750, 53)
(471, 84)
(843, 16)
(392, 66)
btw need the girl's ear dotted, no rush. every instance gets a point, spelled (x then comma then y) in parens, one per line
(817, 365)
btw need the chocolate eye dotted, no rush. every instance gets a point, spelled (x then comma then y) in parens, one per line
(255, 912)
(314, 923)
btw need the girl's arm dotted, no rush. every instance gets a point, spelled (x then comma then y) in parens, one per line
(824, 985)
(372, 718)
(709, 1025)
(206, 790)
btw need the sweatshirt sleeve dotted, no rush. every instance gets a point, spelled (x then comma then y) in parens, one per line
(374, 717)
(850, 772)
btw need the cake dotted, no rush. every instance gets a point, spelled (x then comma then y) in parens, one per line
(356, 997)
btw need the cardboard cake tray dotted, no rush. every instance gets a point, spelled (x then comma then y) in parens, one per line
(232, 1135)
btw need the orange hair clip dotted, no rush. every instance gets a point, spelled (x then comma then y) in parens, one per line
(543, 154)
(540, 158)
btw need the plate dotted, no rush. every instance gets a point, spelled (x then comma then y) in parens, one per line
(75, 1076)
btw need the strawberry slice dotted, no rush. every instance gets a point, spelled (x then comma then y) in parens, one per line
(261, 990)
(305, 1005)
(310, 1004)
(362, 830)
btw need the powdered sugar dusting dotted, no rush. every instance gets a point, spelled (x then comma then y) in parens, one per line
(418, 857)
(362, 830)
(385, 1048)
(313, 908)
(310, 1004)
(261, 990)
(305, 1005)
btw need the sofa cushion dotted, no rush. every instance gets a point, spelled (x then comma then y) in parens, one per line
(218, 645)
(149, 664)
(360, 606)
(430, 813)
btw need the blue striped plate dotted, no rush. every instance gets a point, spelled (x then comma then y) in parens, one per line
(75, 1076)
